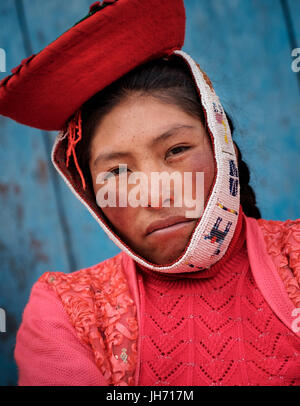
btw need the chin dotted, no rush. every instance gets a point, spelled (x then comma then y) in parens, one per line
(163, 255)
(166, 258)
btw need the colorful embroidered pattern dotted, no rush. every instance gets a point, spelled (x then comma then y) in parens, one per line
(220, 118)
(233, 180)
(226, 209)
(217, 236)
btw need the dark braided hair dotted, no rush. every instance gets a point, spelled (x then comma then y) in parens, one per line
(248, 198)
(168, 80)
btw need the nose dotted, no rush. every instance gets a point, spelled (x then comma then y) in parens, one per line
(158, 190)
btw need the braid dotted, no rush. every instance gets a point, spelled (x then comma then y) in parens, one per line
(248, 198)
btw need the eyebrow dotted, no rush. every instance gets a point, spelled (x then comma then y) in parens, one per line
(108, 156)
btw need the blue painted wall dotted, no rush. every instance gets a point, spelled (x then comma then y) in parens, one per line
(243, 45)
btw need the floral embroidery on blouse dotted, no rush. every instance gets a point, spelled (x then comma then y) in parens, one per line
(100, 307)
(283, 245)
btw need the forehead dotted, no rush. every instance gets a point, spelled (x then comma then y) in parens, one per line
(138, 120)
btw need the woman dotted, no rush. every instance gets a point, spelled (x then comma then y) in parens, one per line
(208, 298)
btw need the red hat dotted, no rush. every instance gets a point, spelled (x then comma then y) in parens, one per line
(116, 36)
(48, 89)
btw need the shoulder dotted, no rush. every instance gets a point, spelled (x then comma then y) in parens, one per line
(283, 235)
(92, 297)
(82, 291)
(97, 304)
(277, 226)
(282, 241)
(47, 350)
(280, 237)
(96, 274)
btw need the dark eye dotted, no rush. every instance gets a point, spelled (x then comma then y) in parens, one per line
(116, 171)
(177, 150)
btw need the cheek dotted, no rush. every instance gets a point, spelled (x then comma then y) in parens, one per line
(124, 221)
(203, 162)
(119, 217)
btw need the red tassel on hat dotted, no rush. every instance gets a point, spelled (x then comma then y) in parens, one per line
(75, 124)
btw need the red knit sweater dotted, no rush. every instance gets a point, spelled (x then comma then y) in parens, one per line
(214, 331)
(212, 328)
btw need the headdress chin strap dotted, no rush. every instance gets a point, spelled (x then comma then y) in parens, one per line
(75, 126)
(216, 228)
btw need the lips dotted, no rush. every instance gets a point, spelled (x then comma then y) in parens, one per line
(160, 224)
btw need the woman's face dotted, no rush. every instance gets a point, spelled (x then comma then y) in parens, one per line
(150, 136)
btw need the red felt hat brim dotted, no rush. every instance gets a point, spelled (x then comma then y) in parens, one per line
(47, 88)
